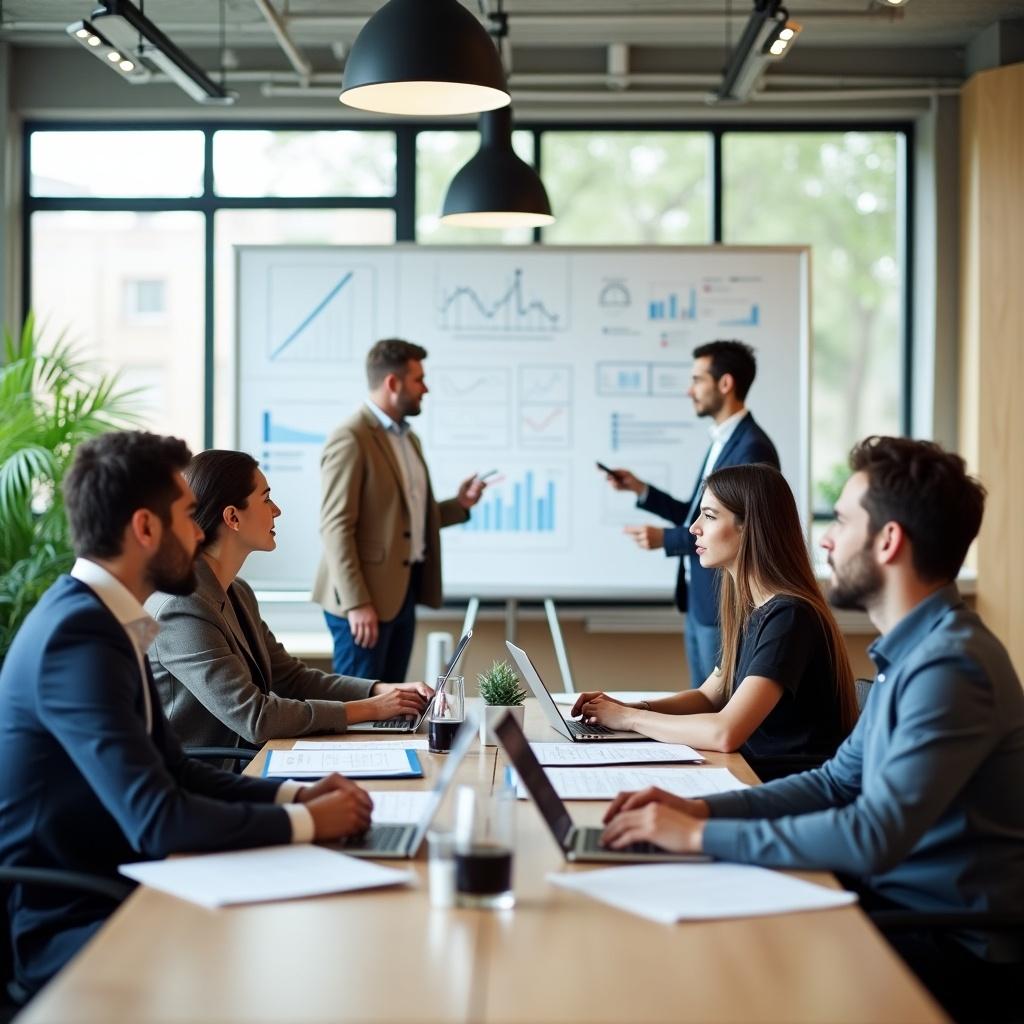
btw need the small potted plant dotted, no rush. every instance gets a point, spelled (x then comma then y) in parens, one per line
(501, 692)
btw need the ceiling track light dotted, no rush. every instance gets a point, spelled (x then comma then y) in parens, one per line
(767, 35)
(426, 58)
(127, 31)
(123, 61)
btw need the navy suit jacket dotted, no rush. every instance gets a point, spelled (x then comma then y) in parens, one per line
(84, 787)
(748, 444)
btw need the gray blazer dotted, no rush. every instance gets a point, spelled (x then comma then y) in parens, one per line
(217, 690)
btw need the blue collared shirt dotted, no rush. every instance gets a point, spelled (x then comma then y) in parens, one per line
(924, 801)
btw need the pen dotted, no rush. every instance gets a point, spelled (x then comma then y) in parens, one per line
(483, 476)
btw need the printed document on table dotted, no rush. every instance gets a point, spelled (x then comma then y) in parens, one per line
(399, 806)
(353, 761)
(568, 754)
(412, 743)
(605, 783)
(267, 873)
(701, 892)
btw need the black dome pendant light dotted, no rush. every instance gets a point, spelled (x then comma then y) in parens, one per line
(424, 57)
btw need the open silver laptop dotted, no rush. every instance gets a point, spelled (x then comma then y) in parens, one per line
(411, 723)
(401, 840)
(578, 732)
(577, 842)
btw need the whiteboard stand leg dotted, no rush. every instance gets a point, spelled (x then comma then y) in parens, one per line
(559, 641)
(512, 621)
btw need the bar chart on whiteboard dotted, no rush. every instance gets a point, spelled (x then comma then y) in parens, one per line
(541, 360)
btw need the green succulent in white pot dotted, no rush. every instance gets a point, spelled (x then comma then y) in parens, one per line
(501, 692)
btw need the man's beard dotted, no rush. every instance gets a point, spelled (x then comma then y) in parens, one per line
(173, 570)
(858, 581)
(712, 406)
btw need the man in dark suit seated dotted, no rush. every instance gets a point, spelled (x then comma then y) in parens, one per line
(722, 374)
(91, 775)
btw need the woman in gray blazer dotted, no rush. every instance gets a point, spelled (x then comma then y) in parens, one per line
(223, 678)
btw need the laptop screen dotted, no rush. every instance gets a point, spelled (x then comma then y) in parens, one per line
(525, 762)
(460, 747)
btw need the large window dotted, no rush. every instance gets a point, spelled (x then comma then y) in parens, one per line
(839, 192)
(135, 257)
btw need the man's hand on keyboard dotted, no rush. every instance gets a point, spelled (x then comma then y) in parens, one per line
(389, 700)
(339, 807)
(654, 816)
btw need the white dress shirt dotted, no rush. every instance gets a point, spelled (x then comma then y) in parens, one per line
(142, 630)
(414, 478)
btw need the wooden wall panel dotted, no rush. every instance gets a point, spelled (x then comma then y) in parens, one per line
(992, 337)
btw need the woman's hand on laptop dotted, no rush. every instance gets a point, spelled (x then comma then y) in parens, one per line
(339, 807)
(654, 816)
(606, 711)
(589, 697)
(397, 699)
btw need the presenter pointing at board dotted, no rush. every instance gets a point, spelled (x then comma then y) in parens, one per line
(379, 523)
(722, 374)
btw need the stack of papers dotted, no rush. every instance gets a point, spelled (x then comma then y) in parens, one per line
(606, 783)
(356, 760)
(258, 876)
(614, 753)
(699, 892)
(409, 743)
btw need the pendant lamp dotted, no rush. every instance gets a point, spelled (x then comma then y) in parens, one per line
(496, 189)
(424, 57)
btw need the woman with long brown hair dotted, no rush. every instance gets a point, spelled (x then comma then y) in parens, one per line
(783, 687)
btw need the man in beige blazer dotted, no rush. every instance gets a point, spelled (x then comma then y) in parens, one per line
(379, 521)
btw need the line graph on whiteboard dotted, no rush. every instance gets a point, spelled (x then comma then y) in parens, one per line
(515, 302)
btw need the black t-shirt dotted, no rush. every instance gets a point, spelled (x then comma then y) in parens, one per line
(785, 641)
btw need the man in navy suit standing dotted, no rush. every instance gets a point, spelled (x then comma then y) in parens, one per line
(91, 775)
(722, 374)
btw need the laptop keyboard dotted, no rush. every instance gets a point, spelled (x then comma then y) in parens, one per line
(592, 844)
(377, 837)
(398, 722)
(578, 729)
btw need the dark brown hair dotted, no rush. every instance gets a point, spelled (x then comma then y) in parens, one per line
(927, 491)
(773, 556)
(113, 476)
(732, 357)
(219, 478)
(390, 355)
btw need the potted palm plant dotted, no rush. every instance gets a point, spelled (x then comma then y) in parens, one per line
(50, 401)
(501, 692)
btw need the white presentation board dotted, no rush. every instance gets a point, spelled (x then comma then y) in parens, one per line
(541, 360)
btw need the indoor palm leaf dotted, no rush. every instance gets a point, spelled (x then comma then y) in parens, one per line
(50, 401)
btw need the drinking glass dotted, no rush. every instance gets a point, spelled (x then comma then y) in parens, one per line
(447, 714)
(484, 840)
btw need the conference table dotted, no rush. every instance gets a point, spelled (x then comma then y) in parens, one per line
(388, 956)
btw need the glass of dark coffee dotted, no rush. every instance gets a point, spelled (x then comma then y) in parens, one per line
(484, 839)
(447, 714)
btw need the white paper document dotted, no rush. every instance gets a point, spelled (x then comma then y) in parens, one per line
(354, 761)
(568, 754)
(605, 783)
(267, 873)
(399, 806)
(700, 892)
(411, 743)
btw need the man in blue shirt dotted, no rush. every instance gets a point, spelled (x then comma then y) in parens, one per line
(722, 374)
(923, 805)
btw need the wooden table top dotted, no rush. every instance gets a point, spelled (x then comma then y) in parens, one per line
(387, 956)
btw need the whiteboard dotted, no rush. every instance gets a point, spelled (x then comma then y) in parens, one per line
(540, 361)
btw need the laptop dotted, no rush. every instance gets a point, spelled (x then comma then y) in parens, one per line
(577, 842)
(578, 732)
(401, 840)
(410, 723)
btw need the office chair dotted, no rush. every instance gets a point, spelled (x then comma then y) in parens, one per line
(241, 756)
(12, 995)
